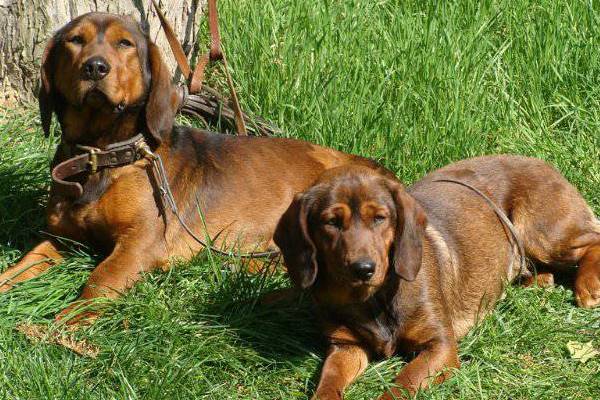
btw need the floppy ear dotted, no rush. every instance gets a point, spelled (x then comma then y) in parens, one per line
(46, 98)
(162, 102)
(292, 237)
(410, 229)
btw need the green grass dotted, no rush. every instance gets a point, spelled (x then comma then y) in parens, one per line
(414, 84)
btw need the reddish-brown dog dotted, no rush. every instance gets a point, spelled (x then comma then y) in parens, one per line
(106, 82)
(394, 270)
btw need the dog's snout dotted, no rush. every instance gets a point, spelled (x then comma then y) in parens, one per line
(363, 269)
(96, 68)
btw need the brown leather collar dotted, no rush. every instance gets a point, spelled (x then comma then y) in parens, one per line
(92, 160)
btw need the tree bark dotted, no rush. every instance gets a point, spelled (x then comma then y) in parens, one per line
(26, 26)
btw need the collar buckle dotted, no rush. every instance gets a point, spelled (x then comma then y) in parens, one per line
(143, 149)
(93, 153)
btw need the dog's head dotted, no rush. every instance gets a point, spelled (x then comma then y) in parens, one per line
(104, 66)
(343, 234)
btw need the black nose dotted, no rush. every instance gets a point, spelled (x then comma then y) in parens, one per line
(363, 269)
(96, 68)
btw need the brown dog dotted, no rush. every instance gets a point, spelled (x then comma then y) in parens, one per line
(394, 270)
(106, 82)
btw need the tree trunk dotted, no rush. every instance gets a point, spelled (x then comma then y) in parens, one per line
(26, 26)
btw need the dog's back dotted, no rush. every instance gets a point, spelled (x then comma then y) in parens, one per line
(473, 250)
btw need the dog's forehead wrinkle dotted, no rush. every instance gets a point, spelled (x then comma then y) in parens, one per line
(371, 197)
(102, 22)
(81, 26)
(359, 193)
(354, 189)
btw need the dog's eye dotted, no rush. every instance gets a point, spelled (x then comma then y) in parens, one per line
(77, 39)
(378, 219)
(334, 222)
(125, 43)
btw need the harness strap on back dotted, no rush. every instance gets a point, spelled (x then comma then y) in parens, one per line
(523, 271)
(166, 198)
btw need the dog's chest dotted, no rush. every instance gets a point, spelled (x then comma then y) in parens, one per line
(120, 207)
(380, 336)
(77, 222)
(372, 326)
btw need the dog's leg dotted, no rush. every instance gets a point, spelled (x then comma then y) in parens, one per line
(561, 233)
(119, 271)
(587, 280)
(568, 250)
(432, 365)
(344, 364)
(38, 260)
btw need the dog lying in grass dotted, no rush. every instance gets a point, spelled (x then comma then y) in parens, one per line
(112, 94)
(394, 270)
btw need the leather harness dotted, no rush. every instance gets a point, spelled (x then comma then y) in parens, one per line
(119, 154)
(523, 270)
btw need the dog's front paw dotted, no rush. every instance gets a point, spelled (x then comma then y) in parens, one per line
(587, 290)
(541, 279)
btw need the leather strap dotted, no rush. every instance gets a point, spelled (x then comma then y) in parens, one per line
(93, 160)
(176, 48)
(166, 198)
(195, 77)
(214, 54)
(523, 270)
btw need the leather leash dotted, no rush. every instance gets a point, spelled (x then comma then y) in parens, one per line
(523, 271)
(166, 196)
(195, 77)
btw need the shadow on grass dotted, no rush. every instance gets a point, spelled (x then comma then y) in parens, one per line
(286, 328)
(286, 331)
(563, 276)
(22, 207)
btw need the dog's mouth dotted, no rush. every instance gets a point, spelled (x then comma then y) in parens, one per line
(97, 98)
(361, 291)
(355, 283)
